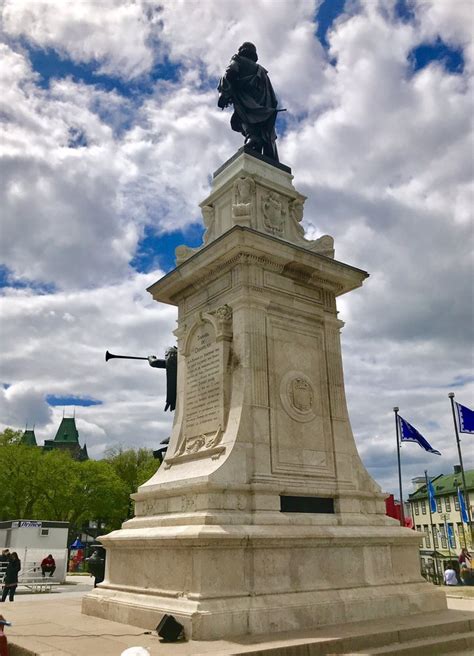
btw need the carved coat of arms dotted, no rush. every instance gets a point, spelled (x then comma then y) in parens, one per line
(301, 395)
(273, 213)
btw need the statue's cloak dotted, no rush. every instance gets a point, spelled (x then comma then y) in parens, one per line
(247, 86)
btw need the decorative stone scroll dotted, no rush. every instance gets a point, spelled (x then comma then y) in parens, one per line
(208, 217)
(183, 253)
(324, 245)
(206, 355)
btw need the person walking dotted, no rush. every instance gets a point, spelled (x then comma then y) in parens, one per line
(10, 580)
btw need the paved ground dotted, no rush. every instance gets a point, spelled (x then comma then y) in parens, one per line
(75, 586)
(51, 624)
(461, 591)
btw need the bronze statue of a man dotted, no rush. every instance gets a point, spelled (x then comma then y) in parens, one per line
(247, 87)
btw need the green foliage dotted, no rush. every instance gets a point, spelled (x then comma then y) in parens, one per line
(133, 466)
(53, 486)
(19, 483)
(10, 436)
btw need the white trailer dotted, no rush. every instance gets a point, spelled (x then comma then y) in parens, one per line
(33, 540)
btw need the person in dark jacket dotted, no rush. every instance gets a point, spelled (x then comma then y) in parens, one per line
(10, 580)
(96, 564)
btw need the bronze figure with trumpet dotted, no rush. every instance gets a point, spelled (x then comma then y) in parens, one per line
(170, 363)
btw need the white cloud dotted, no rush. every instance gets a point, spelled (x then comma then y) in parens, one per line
(82, 198)
(54, 344)
(450, 20)
(112, 33)
(384, 156)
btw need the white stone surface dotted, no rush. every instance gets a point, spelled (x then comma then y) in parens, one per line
(261, 414)
(248, 192)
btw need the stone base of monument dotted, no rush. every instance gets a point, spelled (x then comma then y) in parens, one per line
(224, 581)
(262, 517)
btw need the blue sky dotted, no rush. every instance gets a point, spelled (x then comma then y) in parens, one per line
(111, 137)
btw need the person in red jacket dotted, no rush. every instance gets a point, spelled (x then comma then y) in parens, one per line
(48, 564)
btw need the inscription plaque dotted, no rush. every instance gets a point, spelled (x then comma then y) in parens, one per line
(204, 384)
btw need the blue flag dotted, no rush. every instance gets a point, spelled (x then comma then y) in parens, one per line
(465, 419)
(452, 542)
(462, 507)
(431, 496)
(409, 434)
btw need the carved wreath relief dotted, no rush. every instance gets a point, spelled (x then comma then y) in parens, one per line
(297, 396)
(274, 213)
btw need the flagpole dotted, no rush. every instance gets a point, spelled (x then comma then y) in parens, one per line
(431, 524)
(464, 486)
(460, 515)
(402, 510)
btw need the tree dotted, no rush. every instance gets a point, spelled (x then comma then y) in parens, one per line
(19, 483)
(102, 490)
(133, 466)
(10, 436)
(80, 492)
(54, 486)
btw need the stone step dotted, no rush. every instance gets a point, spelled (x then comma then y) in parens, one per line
(462, 643)
(430, 634)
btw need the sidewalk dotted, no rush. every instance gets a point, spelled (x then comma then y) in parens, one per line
(460, 591)
(75, 586)
(52, 625)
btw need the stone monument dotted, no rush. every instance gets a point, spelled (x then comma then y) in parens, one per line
(262, 516)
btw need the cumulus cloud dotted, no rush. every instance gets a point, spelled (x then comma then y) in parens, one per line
(383, 152)
(113, 34)
(54, 344)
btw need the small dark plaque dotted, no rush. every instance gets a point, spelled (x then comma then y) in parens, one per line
(307, 504)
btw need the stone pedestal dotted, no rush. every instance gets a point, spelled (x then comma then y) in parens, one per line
(262, 517)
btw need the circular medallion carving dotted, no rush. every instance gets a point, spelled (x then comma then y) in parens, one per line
(297, 396)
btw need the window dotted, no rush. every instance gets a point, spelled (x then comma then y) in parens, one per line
(44, 532)
(462, 535)
(439, 507)
(423, 507)
(427, 537)
(435, 536)
(415, 506)
(456, 502)
(442, 534)
(447, 502)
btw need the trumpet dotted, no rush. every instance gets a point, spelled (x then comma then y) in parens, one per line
(110, 356)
